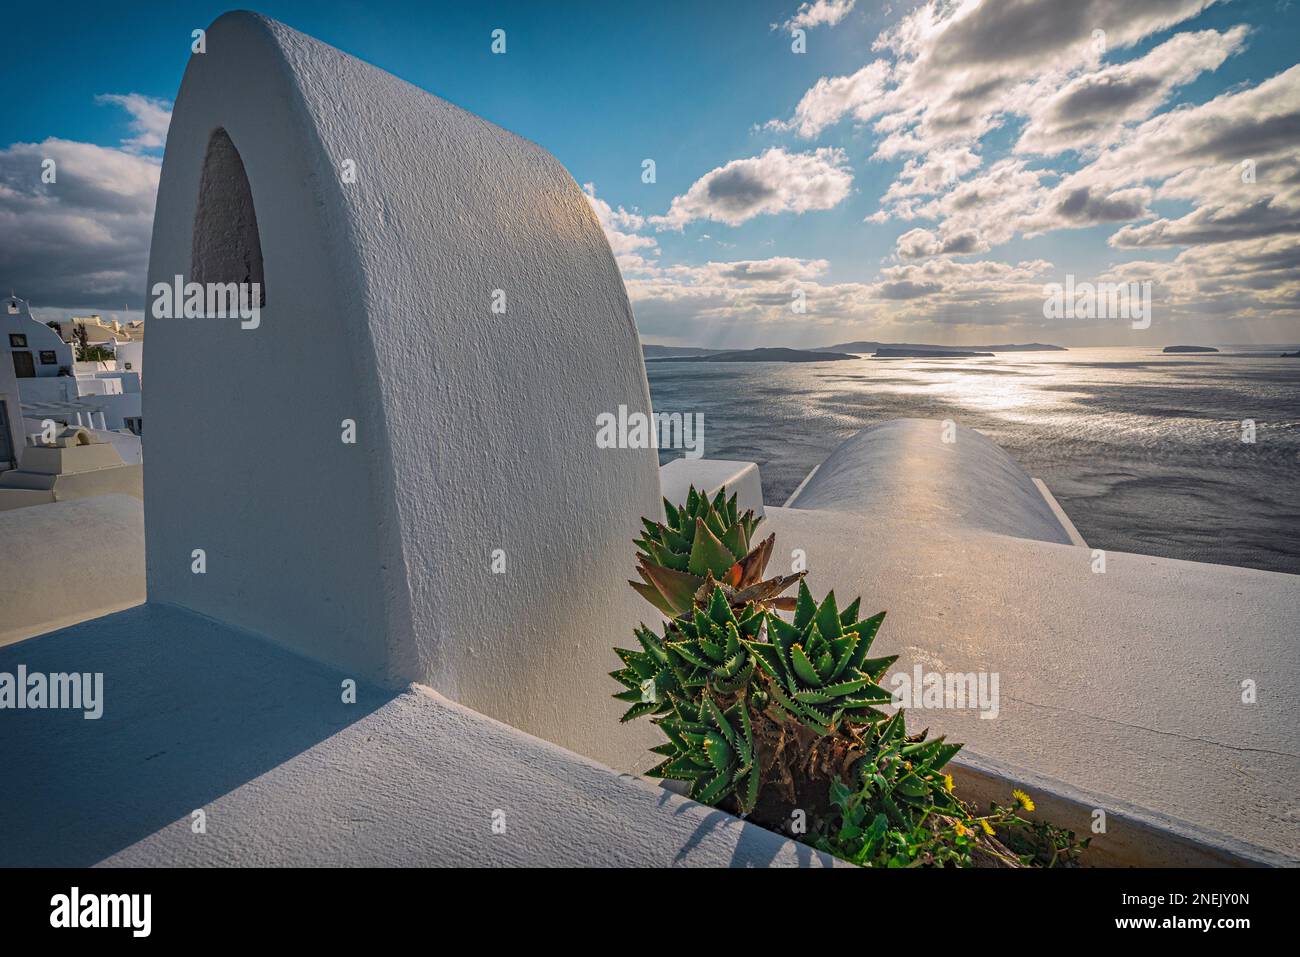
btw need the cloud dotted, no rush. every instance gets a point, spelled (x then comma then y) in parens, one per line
(933, 173)
(83, 240)
(816, 13)
(907, 289)
(620, 228)
(746, 301)
(1080, 207)
(922, 243)
(832, 98)
(1087, 111)
(958, 66)
(1214, 224)
(1260, 124)
(776, 269)
(1198, 154)
(150, 119)
(774, 182)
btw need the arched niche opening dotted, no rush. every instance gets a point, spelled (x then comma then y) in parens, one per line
(226, 246)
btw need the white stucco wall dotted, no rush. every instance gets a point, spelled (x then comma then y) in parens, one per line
(129, 353)
(475, 431)
(1125, 685)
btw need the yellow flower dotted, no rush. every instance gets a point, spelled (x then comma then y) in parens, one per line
(961, 829)
(1023, 799)
(947, 783)
(988, 828)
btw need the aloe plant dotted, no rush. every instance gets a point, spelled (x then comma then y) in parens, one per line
(713, 749)
(817, 667)
(703, 650)
(713, 642)
(649, 676)
(705, 543)
(904, 774)
(764, 716)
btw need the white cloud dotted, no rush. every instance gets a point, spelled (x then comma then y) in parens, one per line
(815, 13)
(83, 240)
(832, 98)
(620, 228)
(1089, 110)
(1196, 153)
(926, 176)
(773, 182)
(150, 119)
(958, 66)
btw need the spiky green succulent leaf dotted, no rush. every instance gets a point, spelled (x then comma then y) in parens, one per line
(903, 775)
(815, 666)
(701, 540)
(711, 747)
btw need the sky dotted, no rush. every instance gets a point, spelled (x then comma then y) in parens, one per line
(821, 172)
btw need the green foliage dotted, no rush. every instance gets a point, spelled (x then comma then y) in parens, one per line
(649, 676)
(750, 702)
(711, 748)
(1040, 843)
(712, 644)
(902, 776)
(864, 835)
(704, 650)
(705, 544)
(817, 668)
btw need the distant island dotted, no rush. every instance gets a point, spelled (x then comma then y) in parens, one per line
(653, 351)
(845, 350)
(1190, 349)
(1290, 355)
(905, 352)
(863, 347)
(755, 355)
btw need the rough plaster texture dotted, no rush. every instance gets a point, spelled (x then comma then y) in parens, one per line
(66, 562)
(1125, 684)
(905, 466)
(476, 431)
(201, 716)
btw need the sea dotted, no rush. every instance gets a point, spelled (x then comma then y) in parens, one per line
(1191, 456)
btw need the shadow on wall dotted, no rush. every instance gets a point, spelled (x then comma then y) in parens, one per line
(191, 711)
(756, 848)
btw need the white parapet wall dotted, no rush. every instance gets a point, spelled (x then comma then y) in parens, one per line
(709, 475)
(384, 226)
(1116, 684)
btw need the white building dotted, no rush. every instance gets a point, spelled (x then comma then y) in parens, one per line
(51, 382)
(36, 350)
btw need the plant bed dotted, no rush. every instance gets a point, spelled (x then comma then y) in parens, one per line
(772, 709)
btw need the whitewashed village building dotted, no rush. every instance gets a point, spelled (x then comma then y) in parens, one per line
(68, 429)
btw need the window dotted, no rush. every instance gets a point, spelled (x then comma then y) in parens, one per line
(17, 341)
(135, 424)
(49, 357)
(226, 246)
